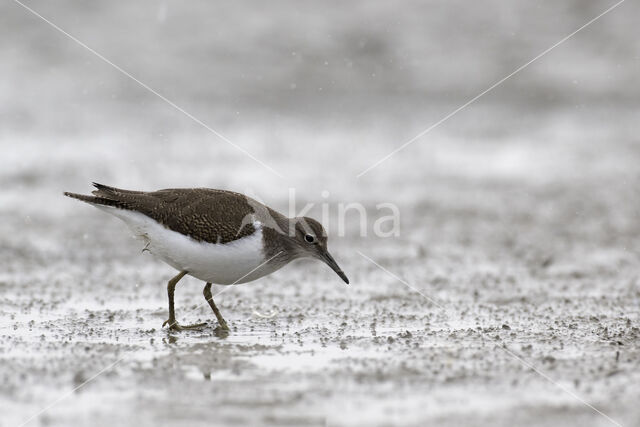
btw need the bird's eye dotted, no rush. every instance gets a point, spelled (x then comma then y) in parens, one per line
(309, 238)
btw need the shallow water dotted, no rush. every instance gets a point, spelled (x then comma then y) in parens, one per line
(374, 352)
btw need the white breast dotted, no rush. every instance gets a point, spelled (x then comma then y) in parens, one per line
(224, 264)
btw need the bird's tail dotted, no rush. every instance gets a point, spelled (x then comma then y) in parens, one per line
(111, 192)
(103, 195)
(93, 199)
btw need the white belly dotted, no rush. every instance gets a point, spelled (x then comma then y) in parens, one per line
(224, 264)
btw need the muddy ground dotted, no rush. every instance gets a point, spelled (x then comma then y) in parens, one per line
(526, 318)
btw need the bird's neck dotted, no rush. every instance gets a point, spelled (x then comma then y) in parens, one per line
(279, 239)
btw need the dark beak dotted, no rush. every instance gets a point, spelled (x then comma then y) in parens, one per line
(328, 259)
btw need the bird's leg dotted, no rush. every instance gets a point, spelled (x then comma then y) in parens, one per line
(209, 298)
(173, 324)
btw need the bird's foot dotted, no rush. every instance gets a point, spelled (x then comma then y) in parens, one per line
(221, 332)
(175, 326)
(222, 325)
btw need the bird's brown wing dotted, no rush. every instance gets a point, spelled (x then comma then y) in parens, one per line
(207, 215)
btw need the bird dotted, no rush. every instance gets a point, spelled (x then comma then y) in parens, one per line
(217, 236)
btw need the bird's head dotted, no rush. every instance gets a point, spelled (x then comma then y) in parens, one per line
(310, 239)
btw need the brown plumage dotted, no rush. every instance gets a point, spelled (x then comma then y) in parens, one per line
(186, 210)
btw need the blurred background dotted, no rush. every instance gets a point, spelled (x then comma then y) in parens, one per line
(318, 92)
(521, 210)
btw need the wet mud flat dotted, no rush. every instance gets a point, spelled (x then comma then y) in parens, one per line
(510, 315)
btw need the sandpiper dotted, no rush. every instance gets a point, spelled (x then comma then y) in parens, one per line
(217, 236)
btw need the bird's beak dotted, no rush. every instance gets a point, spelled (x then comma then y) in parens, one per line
(328, 259)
